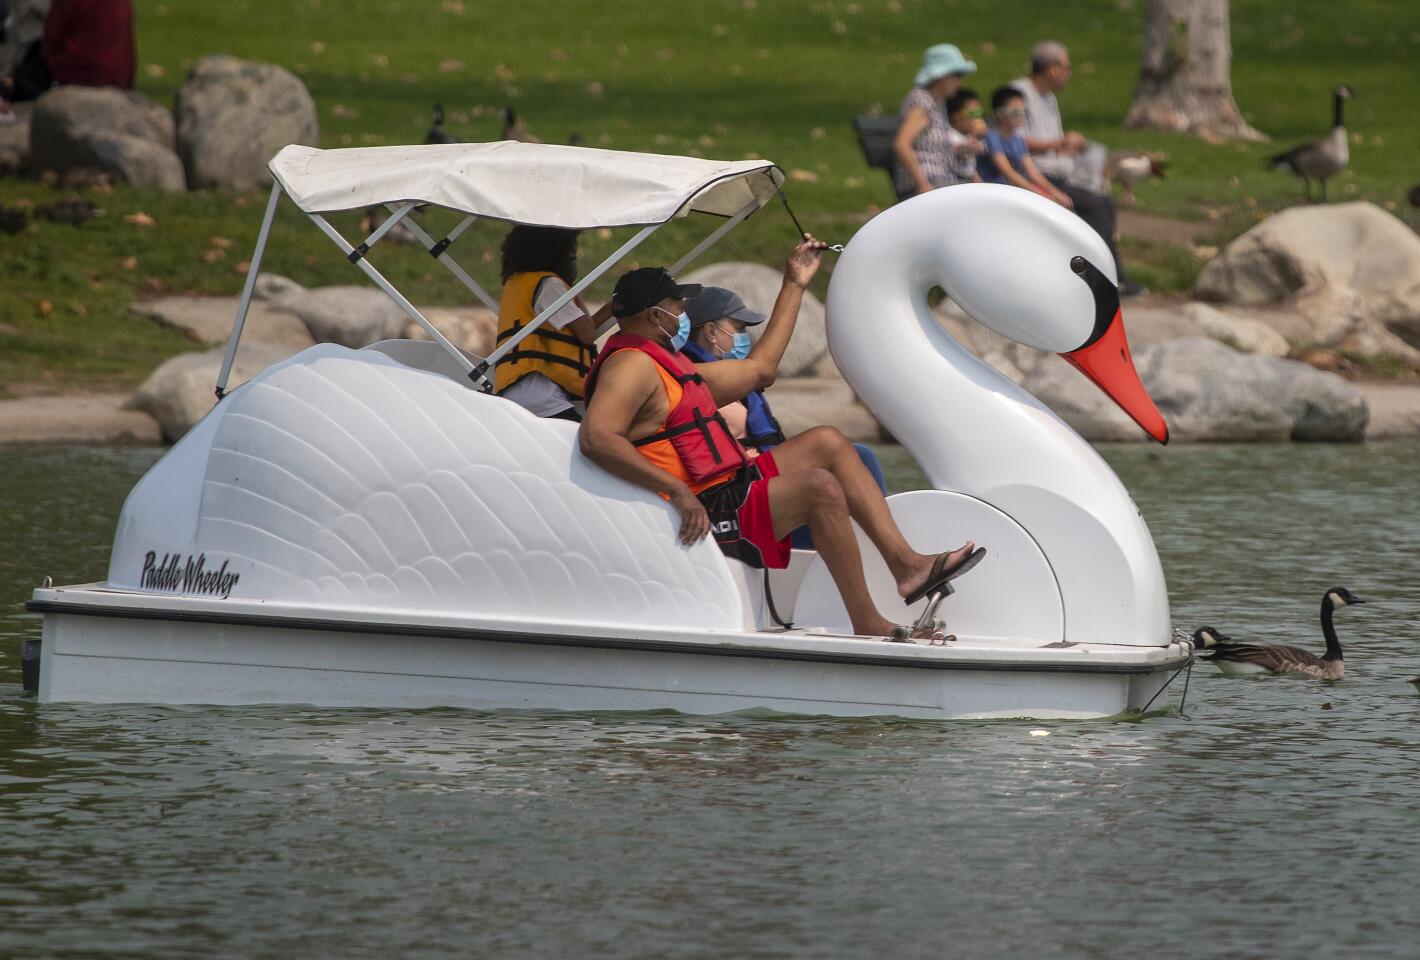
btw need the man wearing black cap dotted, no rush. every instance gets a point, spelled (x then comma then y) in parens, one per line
(653, 419)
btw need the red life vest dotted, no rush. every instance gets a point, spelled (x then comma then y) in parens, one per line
(694, 435)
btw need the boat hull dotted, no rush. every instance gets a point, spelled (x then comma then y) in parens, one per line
(114, 648)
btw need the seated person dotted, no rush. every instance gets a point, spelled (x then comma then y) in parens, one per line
(545, 371)
(967, 132)
(719, 321)
(1066, 158)
(651, 420)
(1007, 157)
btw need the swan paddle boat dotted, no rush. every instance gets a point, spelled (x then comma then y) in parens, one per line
(372, 528)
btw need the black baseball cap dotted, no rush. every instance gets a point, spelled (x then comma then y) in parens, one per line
(646, 287)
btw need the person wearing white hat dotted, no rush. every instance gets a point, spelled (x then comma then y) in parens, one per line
(923, 143)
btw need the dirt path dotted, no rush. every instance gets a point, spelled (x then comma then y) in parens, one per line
(1147, 226)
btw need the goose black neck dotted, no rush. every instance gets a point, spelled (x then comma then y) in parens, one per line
(1333, 645)
(1337, 101)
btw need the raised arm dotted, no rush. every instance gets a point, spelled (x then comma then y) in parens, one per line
(626, 385)
(731, 380)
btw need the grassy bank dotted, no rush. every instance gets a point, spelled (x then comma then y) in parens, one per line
(729, 78)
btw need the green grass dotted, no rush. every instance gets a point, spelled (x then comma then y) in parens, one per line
(725, 78)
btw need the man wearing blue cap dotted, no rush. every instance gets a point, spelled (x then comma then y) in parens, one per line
(719, 330)
(924, 142)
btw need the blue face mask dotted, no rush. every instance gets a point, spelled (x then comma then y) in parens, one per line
(740, 350)
(682, 333)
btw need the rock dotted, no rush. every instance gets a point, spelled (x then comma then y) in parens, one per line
(1350, 271)
(210, 319)
(472, 328)
(1395, 410)
(180, 392)
(758, 286)
(804, 402)
(1241, 332)
(234, 115)
(352, 316)
(78, 418)
(1210, 392)
(118, 131)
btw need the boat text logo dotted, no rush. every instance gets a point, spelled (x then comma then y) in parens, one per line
(187, 575)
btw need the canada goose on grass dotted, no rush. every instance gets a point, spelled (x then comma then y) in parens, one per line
(513, 128)
(437, 133)
(1244, 658)
(1319, 159)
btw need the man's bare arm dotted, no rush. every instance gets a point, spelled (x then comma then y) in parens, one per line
(627, 381)
(731, 380)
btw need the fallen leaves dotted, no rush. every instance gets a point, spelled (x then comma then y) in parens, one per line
(45, 308)
(803, 176)
(140, 219)
(452, 66)
(128, 263)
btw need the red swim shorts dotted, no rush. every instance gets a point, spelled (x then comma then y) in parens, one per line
(740, 519)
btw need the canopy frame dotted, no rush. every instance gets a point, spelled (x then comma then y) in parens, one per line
(477, 368)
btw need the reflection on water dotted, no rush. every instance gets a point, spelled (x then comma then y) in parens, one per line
(145, 831)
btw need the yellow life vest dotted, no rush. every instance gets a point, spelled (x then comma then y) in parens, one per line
(556, 354)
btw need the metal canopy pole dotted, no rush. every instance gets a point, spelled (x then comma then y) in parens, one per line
(394, 294)
(438, 250)
(479, 372)
(398, 214)
(698, 249)
(252, 270)
(714, 237)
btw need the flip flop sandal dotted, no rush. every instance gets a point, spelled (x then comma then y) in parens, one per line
(942, 574)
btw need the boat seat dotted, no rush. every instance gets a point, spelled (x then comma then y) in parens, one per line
(784, 584)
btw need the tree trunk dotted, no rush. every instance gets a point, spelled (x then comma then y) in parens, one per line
(1184, 82)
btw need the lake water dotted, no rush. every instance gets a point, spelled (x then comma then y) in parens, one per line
(1273, 818)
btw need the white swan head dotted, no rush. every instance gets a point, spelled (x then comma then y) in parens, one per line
(1030, 270)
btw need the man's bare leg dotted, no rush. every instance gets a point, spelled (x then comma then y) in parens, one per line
(814, 496)
(826, 448)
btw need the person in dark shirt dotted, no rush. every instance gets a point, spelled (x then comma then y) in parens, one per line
(89, 43)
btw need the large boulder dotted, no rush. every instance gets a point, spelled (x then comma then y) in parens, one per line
(1210, 392)
(472, 328)
(180, 391)
(1344, 275)
(118, 131)
(232, 117)
(351, 316)
(210, 319)
(758, 286)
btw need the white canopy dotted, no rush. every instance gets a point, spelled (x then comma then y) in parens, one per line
(529, 183)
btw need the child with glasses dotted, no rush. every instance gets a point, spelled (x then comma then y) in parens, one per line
(966, 135)
(1008, 158)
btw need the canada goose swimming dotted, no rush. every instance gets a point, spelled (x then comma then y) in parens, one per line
(1319, 159)
(1128, 167)
(437, 133)
(513, 128)
(1244, 658)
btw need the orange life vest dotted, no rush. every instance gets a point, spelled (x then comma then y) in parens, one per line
(555, 354)
(694, 442)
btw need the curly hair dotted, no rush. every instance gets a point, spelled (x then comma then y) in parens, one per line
(540, 248)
